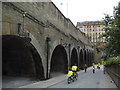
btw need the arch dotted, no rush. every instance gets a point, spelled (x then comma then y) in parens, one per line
(74, 57)
(20, 58)
(89, 58)
(92, 56)
(81, 61)
(59, 61)
(85, 57)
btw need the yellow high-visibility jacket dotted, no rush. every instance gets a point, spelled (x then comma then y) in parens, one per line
(93, 68)
(74, 67)
(70, 73)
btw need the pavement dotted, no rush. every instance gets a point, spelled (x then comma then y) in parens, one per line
(14, 82)
(85, 80)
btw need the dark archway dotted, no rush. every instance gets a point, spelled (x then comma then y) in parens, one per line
(59, 61)
(85, 57)
(74, 57)
(20, 58)
(88, 55)
(81, 61)
(90, 59)
(92, 56)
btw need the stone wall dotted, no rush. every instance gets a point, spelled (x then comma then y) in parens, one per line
(42, 20)
(114, 72)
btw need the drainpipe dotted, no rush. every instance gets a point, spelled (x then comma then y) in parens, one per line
(78, 47)
(69, 55)
(47, 41)
(19, 27)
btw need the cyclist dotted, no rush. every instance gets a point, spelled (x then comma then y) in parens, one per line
(74, 69)
(70, 73)
(93, 69)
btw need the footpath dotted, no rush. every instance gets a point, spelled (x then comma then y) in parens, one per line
(59, 81)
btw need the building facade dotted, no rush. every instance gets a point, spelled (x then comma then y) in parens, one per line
(92, 29)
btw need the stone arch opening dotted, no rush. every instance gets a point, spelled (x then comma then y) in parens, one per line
(92, 56)
(20, 58)
(85, 57)
(90, 59)
(59, 61)
(81, 61)
(74, 57)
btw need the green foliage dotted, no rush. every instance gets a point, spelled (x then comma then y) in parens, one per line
(112, 34)
(113, 60)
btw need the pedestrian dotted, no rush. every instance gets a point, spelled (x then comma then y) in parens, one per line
(93, 69)
(85, 67)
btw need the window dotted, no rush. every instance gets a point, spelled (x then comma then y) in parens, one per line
(99, 29)
(102, 39)
(102, 29)
(85, 26)
(93, 40)
(90, 29)
(93, 25)
(90, 34)
(84, 30)
(96, 33)
(99, 33)
(93, 29)
(90, 25)
(96, 38)
(81, 30)
(87, 29)
(96, 25)
(93, 34)
(99, 39)
(96, 29)
(99, 25)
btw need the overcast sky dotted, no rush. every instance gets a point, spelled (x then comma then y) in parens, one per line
(85, 10)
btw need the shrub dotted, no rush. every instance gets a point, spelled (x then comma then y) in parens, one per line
(113, 60)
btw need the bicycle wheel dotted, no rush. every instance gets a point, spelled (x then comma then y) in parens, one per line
(69, 80)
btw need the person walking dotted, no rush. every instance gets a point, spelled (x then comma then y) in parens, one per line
(85, 67)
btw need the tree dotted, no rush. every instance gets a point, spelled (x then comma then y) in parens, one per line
(112, 33)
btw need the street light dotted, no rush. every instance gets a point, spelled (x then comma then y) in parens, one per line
(66, 8)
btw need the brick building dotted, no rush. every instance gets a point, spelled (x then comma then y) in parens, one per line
(92, 29)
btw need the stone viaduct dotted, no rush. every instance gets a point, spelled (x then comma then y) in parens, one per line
(38, 40)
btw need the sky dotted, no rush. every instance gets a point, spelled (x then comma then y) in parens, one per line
(85, 10)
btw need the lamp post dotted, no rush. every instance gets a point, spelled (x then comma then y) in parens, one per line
(66, 8)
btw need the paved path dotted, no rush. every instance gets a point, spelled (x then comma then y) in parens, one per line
(85, 80)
